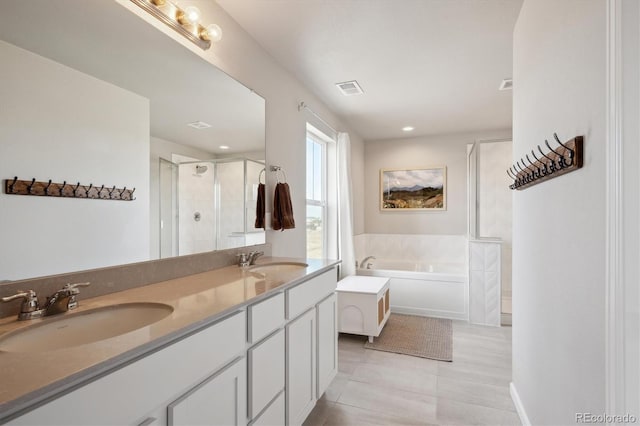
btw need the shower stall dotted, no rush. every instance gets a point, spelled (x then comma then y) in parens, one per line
(208, 205)
(490, 226)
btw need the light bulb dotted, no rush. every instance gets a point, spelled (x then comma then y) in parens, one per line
(213, 33)
(192, 14)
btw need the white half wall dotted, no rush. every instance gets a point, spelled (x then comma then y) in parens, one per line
(441, 150)
(559, 225)
(87, 131)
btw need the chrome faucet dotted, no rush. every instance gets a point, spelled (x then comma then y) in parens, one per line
(248, 259)
(254, 255)
(61, 301)
(364, 263)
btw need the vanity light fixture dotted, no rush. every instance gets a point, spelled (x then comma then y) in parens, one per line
(223, 147)
(407, 129)
(185, 21)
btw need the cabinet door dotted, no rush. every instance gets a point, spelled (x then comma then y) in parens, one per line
(266, 372)
(274, 415)
(301, 367)
(219, 400)
(327, 311)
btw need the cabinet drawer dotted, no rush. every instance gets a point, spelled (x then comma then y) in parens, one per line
(274, 415)
(303, 296)
(265, 317)
(266, 372)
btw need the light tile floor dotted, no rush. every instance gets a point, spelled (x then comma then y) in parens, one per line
(381, 388)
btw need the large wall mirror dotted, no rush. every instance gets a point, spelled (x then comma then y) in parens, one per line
(92, 93)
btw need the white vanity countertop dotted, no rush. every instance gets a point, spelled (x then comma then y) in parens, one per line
(32, 378)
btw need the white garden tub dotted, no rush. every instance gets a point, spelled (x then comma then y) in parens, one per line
(423, 288)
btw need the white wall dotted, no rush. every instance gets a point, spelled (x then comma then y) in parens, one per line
(558, 233)
(243, 58)
(87, 131)
(442, 150)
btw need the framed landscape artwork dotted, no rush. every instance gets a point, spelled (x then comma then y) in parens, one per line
(413, 189)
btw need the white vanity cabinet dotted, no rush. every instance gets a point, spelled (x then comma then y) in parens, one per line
(327, 319)
(265, 364)
(301, 367)
(141, 392)
(312, 357)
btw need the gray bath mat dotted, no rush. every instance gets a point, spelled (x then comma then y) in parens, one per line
(417, 336)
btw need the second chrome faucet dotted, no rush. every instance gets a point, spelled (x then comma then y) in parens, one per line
(248, 259)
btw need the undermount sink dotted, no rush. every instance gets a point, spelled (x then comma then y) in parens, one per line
(277, 267)
(80, 328)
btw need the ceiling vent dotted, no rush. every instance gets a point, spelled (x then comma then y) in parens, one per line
(199, 125)
(507, 84)
(350, 88)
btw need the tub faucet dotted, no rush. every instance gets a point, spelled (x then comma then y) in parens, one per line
(364, 263)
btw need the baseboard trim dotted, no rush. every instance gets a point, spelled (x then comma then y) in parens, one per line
(524, 419)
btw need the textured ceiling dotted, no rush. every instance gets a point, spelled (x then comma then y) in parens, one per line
(432, 64)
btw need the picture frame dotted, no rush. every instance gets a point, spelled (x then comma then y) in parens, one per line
(413, 189)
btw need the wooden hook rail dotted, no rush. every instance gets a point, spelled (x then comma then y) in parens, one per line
(566, 158)
(69, 190)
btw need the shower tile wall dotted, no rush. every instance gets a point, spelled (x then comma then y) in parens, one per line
(231, 188)
(196, 195)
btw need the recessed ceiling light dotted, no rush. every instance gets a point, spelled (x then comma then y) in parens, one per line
(407, 129)
(507, 84)
(349, 88)
(199, 125)
(223, 147)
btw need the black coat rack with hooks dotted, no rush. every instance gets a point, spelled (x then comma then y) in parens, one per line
(16, 186)
(558, 161)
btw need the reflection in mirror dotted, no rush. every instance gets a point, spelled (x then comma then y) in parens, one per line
(208, 205)
(98, 95)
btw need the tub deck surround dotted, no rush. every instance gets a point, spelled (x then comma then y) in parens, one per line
(29, 379)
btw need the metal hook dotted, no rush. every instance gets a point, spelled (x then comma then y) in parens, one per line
(511, 175)
(555, 136)
(571, 152)
(75, 190)
(15, 179)
(111, 191)
(131, 194)
(535, 171)
(88, 190)
(62, 188)
(46, 190)
(33, 181)
(543, 154)
(542, 170)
